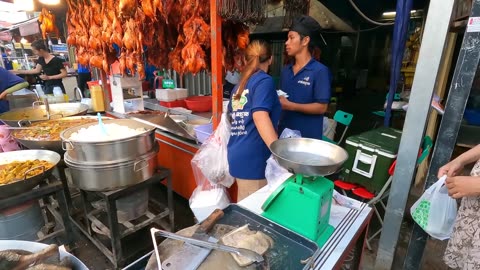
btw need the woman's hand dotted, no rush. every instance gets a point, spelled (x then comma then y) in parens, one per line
(3, 95)
(463, 186)
(286, 104)
(44, 77)
(453, 168)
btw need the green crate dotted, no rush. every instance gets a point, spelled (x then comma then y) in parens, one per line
(370, 156)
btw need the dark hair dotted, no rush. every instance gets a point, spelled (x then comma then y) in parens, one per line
(39, 44)
(311, 45)
(258, 51)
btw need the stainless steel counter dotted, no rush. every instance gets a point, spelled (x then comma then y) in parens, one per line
(152, 104)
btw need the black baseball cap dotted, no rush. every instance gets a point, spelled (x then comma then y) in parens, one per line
(307, 26)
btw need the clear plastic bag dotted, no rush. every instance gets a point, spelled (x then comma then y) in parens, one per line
(435, 212)
(210, 162)
(206, 198)
(274, 173)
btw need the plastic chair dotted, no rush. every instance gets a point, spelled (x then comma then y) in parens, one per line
(374, 200)
(343, 118)
(396, 97)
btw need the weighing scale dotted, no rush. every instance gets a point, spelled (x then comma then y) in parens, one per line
(302, 203)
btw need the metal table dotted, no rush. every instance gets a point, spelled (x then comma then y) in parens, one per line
(116, 232)
(50, 186)
(351, 227)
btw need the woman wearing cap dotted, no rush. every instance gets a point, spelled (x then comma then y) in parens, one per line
(51, 65)
(306, 81)
(255, 111)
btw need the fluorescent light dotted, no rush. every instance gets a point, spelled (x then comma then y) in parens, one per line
(50, 2)
(393, 13)
(25, 5)
(23, 41)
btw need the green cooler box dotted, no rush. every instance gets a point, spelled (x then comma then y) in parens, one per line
(370, 155)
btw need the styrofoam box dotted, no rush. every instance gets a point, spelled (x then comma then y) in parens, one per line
(166, 95)
(182, 93)
(204, 202)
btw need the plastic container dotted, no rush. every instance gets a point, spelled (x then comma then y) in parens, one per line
(370, 154)
(199, 103)
(98, 102)
(182, 93)
(202, 132)
(165, 95)
(472, 117)
(173, 104)
(204, 202)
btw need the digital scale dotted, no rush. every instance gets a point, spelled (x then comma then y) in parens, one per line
(302, 203)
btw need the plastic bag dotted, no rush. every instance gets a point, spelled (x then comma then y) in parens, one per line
(329, 126)
(435, 212)
(274, 173)
(205, 199)
(210, 162)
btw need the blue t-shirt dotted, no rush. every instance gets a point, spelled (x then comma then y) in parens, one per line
(7, 80)
(247, 152)
(311, 84)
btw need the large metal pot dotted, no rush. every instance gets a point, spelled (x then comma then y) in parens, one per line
(112, 177)
(109, 152)
(39, 113)
(22, 185)
(54, 145)
(308, 156)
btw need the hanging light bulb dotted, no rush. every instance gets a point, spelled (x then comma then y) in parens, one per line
(24, 5)
(50, 2)
(23, 41)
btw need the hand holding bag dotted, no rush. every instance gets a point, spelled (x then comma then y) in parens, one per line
(435, 211)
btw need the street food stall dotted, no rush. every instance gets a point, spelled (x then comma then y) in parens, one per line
(114, 160)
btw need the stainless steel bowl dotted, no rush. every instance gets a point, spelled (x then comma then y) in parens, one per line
(113, 151)
(112, 177)
(308, 156)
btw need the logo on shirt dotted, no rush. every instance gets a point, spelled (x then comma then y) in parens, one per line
(305, 81)
(239, 104)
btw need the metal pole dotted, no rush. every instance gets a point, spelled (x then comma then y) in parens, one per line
(465, 71)
(431, 50)
(217, 78)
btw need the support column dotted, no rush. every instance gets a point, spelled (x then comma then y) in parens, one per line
(216, 47)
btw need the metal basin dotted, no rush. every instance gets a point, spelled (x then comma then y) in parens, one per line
(27, 184)
(39, 113)
(112, 177)
(113, 151)
(54, 145)
(308, 156)
(36, 247)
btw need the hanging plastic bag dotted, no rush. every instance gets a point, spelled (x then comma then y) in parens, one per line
(206, 198)
(211, 159)
(435, 211)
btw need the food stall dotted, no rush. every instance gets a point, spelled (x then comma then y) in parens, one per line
(112, 175)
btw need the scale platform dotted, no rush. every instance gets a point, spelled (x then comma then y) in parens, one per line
(302, 204)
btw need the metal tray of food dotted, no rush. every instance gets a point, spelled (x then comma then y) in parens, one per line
(289, 249)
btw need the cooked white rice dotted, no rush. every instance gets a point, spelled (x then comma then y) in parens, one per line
(114, 132)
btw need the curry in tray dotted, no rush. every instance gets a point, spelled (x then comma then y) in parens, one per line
(50, 130)
(18, 170)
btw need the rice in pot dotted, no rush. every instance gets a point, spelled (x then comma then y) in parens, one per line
(114, 132)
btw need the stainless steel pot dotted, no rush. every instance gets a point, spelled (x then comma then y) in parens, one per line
(308, 156)
(39, 113)
(109, 152)
(112, 177)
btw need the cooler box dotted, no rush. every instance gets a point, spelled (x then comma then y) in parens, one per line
(370, 155)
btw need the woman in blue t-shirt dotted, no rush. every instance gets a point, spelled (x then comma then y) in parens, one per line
(255, 112)
(9, 83)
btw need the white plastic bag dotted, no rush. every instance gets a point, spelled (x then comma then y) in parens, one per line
(329, 126)
(205, 200)
(435, 211)
(211, 161)
(274, 173)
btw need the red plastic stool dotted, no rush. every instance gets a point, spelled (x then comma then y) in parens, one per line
(363, 193)
(345, 186)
